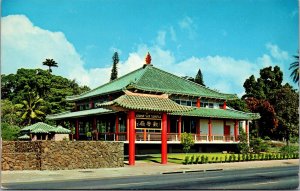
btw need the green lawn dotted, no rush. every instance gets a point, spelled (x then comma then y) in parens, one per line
(179, 157)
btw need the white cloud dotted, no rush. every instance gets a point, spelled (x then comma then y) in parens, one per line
(161, 38)
(276, 52)
(173, 34)
(188, 24)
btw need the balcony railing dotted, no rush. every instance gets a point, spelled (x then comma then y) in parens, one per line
(171, 137)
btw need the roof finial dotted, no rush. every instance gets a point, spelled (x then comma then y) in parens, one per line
(148, 58)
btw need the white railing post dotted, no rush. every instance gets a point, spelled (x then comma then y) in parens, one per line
(195, 137)
(176, 138)
(148, 136)
(114, 136)
(105, 136)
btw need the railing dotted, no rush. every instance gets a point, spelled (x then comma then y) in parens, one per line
(151, 136)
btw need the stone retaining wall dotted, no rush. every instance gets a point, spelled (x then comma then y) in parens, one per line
(59, 155)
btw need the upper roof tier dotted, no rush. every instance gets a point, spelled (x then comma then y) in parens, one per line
(151, 79)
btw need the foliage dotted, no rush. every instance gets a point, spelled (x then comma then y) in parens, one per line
(186, 160)
(50, 63)
(295, 69)
(9, 132)
(238, 104)
(258, 145)
(187, 141)
(9, 113)
(30, 109)
(51, 88)
(289, 149)
(89, 134)
(243, 144)
(199, 78)
(114, 70)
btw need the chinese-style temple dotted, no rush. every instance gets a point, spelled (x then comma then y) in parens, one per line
(150, 108)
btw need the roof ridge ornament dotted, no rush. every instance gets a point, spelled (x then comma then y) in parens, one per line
(148, 59)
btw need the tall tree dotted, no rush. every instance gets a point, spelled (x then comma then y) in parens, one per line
(199, 78)
(295, 69)
(50, 63)
(114, 70)
(30, 110)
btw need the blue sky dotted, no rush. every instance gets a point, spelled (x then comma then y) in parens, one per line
(228, 39)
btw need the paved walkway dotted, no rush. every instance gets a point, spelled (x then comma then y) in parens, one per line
(141, 168)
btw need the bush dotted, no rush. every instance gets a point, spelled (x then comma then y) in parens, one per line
(259, 145)
(217, 159)
(239, 157)
(186, 160)
(187, 141)
(230, 158)
(233, 157)
(9, 132)
(206, 159)
(197, 159)
(192, 159)
(225, 158)
(202, 159)
(289, 149)
(212, 159)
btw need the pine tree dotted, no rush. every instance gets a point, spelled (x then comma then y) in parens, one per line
(199, 78)
(114, 70)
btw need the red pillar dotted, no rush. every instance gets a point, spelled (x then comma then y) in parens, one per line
(127, 127)
(179, 128)
(209, 130)
(224, 105)
(164, 147)
(77, 129)
(247, 132)
(145, 135)
(198, 103)
(235, 130)
(117, 128)
(169, 125)
(131, 137)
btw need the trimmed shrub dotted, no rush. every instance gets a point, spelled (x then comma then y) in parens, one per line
(202, 159)
(230, 159)
(192, 160)
(239, 157)
(212, 160)
(225, 158)
(197, 159)
(186, 160)
(217, 159)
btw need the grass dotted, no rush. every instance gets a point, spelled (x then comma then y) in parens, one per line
(179, 157)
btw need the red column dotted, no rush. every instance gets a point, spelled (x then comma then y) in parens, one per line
(179, 128)
(117, 127)
(169, 125)
(127, 127)
(198, 129)
(224, 105)
(235, 130)
(209, 130)
(131, 137)
(145, 135)
(247, 132)
(164, 147)
(77, 129)
(198, 103)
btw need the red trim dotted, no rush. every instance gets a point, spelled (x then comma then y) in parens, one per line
(235, 130)
(131, 137)
(198, 103)
(164, 147)
(117, 128)
(145, 135)
(179, 127)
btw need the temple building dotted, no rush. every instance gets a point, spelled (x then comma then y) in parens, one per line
(150, 108)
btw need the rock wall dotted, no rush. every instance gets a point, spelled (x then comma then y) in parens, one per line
(59, 155)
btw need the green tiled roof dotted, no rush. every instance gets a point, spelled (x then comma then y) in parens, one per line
(218, 113)
(45, 128)
(146, 103)
(152, 79)
(24, 137)
(75, 114)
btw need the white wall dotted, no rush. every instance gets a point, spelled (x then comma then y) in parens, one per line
(217, 127)
(204, 126)
(60, 137)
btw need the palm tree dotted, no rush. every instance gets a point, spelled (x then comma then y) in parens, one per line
(295, 69)
(50, 63)
(30, 109)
